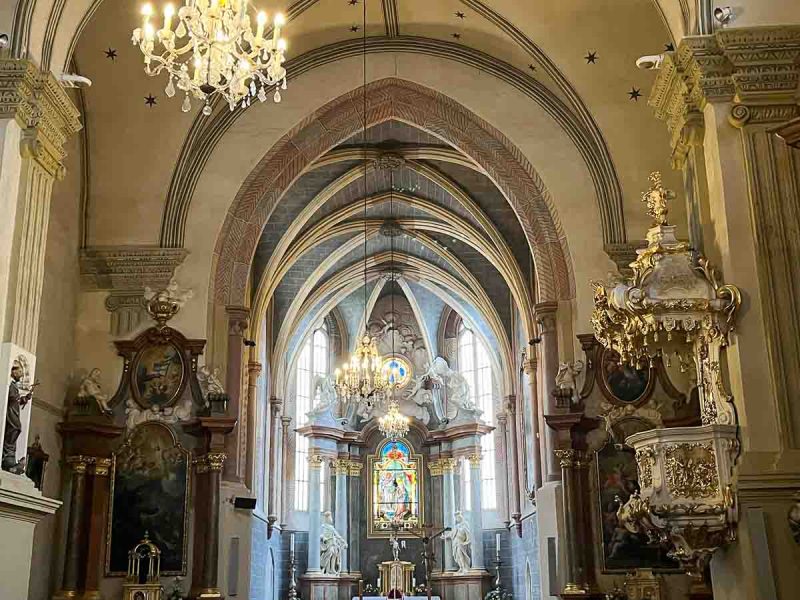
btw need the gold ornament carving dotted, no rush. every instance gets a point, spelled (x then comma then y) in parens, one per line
(440, 466)
(566, 458)
(645, 459)
(691, 470)
(315, 461)
(354, 468)
(656, 199)
(341, 466)
(474, 459)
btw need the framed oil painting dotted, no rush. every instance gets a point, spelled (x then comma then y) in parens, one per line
(622, 551)
(150, 490)
(621, 382)
(157, 376)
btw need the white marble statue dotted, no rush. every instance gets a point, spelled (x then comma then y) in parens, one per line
(444, 380)
(328, 398)
(209, 382)
(331, 546)
(567, 376)
(462, 540)
(91, 390)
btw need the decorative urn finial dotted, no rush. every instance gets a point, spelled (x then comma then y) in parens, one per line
(656, 199)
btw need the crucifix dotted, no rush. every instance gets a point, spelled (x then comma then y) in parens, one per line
(428, 534)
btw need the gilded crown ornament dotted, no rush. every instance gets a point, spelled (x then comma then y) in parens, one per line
(676, 306)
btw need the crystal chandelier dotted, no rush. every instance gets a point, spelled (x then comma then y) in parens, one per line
(393, 424)
(362, 376)
(213, 50)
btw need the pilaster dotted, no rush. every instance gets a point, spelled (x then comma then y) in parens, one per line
(546, 314)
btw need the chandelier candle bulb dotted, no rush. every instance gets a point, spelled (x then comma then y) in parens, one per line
(261, 19)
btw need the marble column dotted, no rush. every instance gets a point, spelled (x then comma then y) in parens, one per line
(214, 464)
(513, 457)
(283, 452)
(448, 466)
(476, 512)
(253, 372)
(315, 462)
(535, 466)
(76, 528)
(275, 469)
(238, 321)
(95, 560)
(571, 566)
(341, 467)
(504, 486)
(356, 506)
(548, 357)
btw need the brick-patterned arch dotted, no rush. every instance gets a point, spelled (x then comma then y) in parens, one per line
(340, 119)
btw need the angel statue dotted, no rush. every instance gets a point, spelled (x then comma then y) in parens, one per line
(461, 537)
(440, 383)
(209, 382)
(323, 389)
(90, 390)
(566, 378)
(331, 545)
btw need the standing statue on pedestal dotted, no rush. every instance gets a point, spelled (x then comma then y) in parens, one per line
(16, 401)
(462, 539)
(90, 391)
(447, 390)
(331, 546)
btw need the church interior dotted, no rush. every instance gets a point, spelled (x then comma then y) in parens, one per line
(361, 299)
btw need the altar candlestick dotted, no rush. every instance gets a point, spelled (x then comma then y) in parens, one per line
(291, 544)
(360, 589)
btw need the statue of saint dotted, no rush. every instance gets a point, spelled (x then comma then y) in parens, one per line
(440, 382)
(331, 546)
(90, 390)
(395, 544)
(16, 401)
(462, 539)
(209, 381)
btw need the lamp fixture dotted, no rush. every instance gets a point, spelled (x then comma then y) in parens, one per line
(214, 51)
(362, 376)
(394, 424)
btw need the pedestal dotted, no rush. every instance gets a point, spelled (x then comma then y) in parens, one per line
(469, 585)
(318, 586)
(21, 507)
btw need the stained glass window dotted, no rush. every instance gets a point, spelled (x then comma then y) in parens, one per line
(397, 369)
(396, 488)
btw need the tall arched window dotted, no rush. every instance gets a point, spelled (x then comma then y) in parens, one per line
(313, 361)
(474, 365)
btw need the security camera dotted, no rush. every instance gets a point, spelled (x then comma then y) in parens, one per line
(536, 340)
(69, 80)
(650, 62)
(250, 343)
(723, 14)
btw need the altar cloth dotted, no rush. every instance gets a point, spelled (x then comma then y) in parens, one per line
(404, 598)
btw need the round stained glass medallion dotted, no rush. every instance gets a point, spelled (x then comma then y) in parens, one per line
(397, 369)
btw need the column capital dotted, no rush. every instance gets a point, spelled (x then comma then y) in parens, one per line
(354, 468)
(102, 467)
(80, 462)
(475, 458)
(41, 107)
(756, 68)
(440, 466)
(546, 315)
(238, 319)
(211, 461)
(254, 368)
(315, 461)
(341, 466)
(566, 458)
(275, 405)
(529, 365)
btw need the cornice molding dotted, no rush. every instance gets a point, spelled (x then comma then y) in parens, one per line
(42, 109)
(624, 254)
(755, 68)
(128, 268)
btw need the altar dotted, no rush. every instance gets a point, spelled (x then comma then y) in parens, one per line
(404, 598)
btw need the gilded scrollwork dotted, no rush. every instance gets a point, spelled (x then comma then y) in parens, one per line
(645, 460)
(691, 470)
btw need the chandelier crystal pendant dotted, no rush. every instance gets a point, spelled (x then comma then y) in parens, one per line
(362, 376)
(394, 424)
(213, 51)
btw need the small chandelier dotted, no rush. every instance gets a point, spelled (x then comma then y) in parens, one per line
(362, 376)
(394, 424)
(213, 50)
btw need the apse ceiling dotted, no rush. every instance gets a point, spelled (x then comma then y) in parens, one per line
(435, 223)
